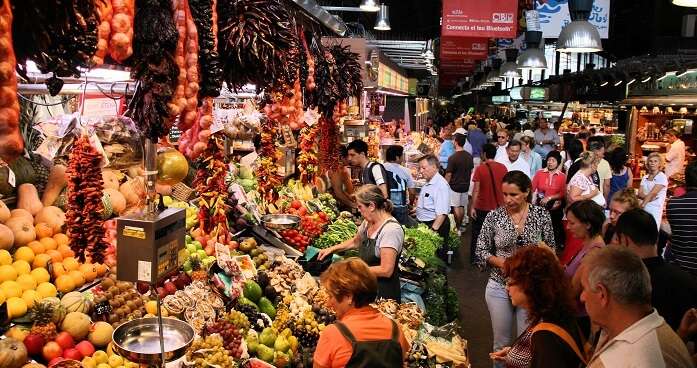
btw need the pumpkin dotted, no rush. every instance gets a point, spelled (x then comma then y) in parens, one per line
(28, 198)
(13, 353)
(43, 230)
(111, 179)
(23, 232)
(14, 221)
(117, 200)
(53, 216)
(18, 212)
(76, 301)
(7, 238)
(4, 212)
(133, 190)
(57, 180)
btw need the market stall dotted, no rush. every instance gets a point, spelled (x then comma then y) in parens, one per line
(169, 210)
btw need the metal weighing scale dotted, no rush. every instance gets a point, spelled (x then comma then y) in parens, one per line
(149, 243)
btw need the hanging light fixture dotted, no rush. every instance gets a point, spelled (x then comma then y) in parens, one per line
(493, 75)
(370, 6)
(687, 3)
(428, 51)
(533, 57)
(383, 21)
(579, 35)
(509, 69)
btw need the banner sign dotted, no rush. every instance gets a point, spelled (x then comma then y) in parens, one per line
(460, 48)
(480, 18)
(554, 15)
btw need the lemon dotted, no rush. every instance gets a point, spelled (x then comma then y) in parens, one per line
(100, 357)
(88, 362)
(16, 307)
(46, 290)
(30, 297)
(5, 257)
(22, 267)
(40, 275)
(11, 289)
(7, 272)
(115, 361)
(24, 254)
(26, 282)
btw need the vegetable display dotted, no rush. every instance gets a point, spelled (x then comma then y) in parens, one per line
(58, 41)
(266, 172)
(11, 142)
(121, 39)
(85, 206)
(421, 242)
(256, 38)
(308, 163)
(204, 14)
(337, 232)
(210, 184)
(154, 44)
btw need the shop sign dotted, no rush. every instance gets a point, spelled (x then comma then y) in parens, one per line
(391, 79)
(554, 15)
(460, 48)
(480, 18)
(497, 100)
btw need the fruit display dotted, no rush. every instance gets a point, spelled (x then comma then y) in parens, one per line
(208, 351)
(123, 300)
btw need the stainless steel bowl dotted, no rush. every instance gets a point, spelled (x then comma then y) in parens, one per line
(280, 221)
(138, 340)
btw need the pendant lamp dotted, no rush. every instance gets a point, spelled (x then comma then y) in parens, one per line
(687, 3)
(370, 6)
(383, 21)
(579, 35)
(533, 57)
(509, 69)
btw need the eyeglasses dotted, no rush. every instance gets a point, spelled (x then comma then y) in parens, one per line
(501, 137)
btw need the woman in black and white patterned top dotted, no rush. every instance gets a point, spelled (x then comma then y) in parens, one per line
(514, 225)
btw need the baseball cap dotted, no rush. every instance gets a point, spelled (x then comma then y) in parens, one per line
(529, 133)
(461, 131)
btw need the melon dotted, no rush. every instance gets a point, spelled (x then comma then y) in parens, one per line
(75, 301)
(77, 324)
(100, 334)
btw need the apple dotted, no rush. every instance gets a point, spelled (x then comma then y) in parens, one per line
(143, 287)
(170, 288)
(52, 351)
(85, 348)
(161, 292)
(72, 353)
(64, 340)
(34, 343)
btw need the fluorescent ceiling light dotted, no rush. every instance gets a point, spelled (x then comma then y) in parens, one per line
(646, 79)
(370, 6)
(687, 3)
(665, 76)
(604, 84)
(618, 83)
(383, 21)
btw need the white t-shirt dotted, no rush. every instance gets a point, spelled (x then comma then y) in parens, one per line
(501, 154)
(675, 158)
(520, 164)
(655, 207)
(391, 236)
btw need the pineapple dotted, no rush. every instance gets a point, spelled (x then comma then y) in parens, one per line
(198, 271)
(45, 315)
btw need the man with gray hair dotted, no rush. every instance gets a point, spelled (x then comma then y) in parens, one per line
(617, 295)
(433, 205)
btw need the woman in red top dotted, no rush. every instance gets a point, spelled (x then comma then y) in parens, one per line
(362, 337)
(549, 187)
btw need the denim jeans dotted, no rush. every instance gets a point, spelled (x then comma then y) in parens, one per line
(502, 312)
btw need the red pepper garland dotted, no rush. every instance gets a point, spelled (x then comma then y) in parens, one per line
(210, 183)
(328, 145)
(85, 206)
(308, 163)
(267, 169)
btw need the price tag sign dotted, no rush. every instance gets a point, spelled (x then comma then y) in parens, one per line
(11, 179)
(103, 308)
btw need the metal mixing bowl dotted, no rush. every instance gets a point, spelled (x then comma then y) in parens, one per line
(280, 221)
(138, 340)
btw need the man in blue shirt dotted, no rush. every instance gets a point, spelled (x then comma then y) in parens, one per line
(546, 138)
(476, 138)
(433, 205)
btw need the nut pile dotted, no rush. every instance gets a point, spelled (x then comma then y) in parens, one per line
(284, 275)
(84, 212)
(125, 301)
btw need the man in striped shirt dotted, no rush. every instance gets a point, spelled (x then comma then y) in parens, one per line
(617, 296)
(682, 217)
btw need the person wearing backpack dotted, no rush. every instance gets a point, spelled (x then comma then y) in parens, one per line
(401, 184)
(458, 174)
(373, 172)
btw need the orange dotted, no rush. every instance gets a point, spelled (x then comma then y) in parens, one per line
(65, 250)
(65, 284)
(46, 289)
(101, 269)
(43, 230)
(37, 247)
(70, 264)
(49, 243)
(77, 277)
(61, 238)
(41, 260)
(59, 270)
(89, 271)
(56, 256)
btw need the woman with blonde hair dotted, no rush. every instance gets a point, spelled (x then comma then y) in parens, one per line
(622, 201)
(379, 240)
(362, 337)
(654, 187)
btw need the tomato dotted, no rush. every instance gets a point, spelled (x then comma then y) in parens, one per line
(296, 204)
(302, 211)
(323, 216)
